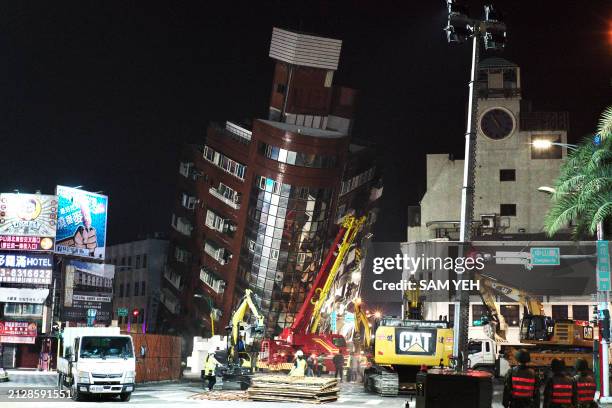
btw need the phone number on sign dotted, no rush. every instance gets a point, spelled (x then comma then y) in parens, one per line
(38, 394)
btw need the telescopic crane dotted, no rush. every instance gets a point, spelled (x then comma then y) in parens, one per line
(304, 334)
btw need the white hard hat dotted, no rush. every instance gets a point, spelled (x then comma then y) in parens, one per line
(299, 353)
(212, 351)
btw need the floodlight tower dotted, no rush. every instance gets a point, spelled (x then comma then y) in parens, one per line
(492, 32)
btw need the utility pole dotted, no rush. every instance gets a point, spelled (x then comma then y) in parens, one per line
(460, 27)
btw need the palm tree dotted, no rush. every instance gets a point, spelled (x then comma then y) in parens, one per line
(583, 190)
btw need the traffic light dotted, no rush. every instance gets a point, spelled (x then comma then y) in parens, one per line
(495, 29)
(135, 313)
(459, 27)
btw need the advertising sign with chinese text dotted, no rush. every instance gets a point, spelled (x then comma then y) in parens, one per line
(23, 295)
(27, 221)
(88, 286)
(81, 223)
(18, 332)
(24, 267)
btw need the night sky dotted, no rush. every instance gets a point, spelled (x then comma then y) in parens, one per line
(102, 94)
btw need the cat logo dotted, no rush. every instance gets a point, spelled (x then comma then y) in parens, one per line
(414, 341)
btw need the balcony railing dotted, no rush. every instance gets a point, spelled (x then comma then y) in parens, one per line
(237, 136)
(173, 278)
(170, 301)
(232, 203)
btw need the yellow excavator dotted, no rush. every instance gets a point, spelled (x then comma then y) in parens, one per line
(402, 346)
(362, 334)
(242, 334)
(544, 337)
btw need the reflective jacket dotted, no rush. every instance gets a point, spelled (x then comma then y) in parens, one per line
(299, 369)
(210, 364)
(559, 391)
(585, 390)
(521, 388)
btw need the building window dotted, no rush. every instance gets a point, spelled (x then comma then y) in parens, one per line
(123, 261)
(507, 175)
(300, 159)
(507, 210)
(212, 281)
(144, 260)
(548, 152)
(143, 291)
(121, 290)
(281, 88)
(185, 168)
(129, 261)
(251, 245)
(580, 312)
(559, 312)
(225, 163)
(137, 261)
(214, 221)
(23, 309)
(136, 287)
(127, 290)
(511, 315)
(188, 201)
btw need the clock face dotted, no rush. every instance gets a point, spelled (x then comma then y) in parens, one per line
(497, 124)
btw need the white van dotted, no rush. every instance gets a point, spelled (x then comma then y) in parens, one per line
(97, 361)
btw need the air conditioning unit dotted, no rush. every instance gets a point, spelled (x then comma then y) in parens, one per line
(488, 221)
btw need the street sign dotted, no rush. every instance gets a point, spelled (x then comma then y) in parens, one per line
(545, 256)
(603, 266)
(122, 311)
(91, 317)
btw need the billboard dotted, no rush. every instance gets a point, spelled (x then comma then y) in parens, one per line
(81, 223)
(88, 286)
(31, 268)
(18, 332)
(27, 221)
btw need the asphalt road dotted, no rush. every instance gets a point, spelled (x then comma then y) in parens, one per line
(183, 394)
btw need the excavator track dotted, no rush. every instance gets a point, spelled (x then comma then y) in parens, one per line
(382, 380)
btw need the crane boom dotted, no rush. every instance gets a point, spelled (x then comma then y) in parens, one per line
(352, 226)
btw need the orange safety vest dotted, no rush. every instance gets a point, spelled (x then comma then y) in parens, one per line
(585, 387)
(561, 390)
(523, 387)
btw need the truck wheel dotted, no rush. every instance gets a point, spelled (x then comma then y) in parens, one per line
(76, 395)
(125, 396)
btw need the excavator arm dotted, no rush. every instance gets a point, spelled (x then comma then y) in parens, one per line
(361, 321)
(246, 304)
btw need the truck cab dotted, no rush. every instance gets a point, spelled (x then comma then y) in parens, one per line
(97, 361)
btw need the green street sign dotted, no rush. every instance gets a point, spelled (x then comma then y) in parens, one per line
(603, 266)
(122, 312)
(545, 256)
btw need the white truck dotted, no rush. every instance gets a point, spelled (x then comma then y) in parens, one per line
(96, 361)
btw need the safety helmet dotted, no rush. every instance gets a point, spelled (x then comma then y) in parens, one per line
(557, 366)
(299, 353)
(522, 356)
(581, 365)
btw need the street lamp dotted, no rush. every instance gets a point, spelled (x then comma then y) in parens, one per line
(492, 31)
(544, 144)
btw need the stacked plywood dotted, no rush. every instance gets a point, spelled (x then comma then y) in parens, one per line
(312, 390)
(221, 396)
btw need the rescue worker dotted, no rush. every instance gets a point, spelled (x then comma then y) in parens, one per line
(210, 364)
(299, 366)
(584, 391)
(521, 385)
(559, 389)
(311, 363)
(338, 361)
